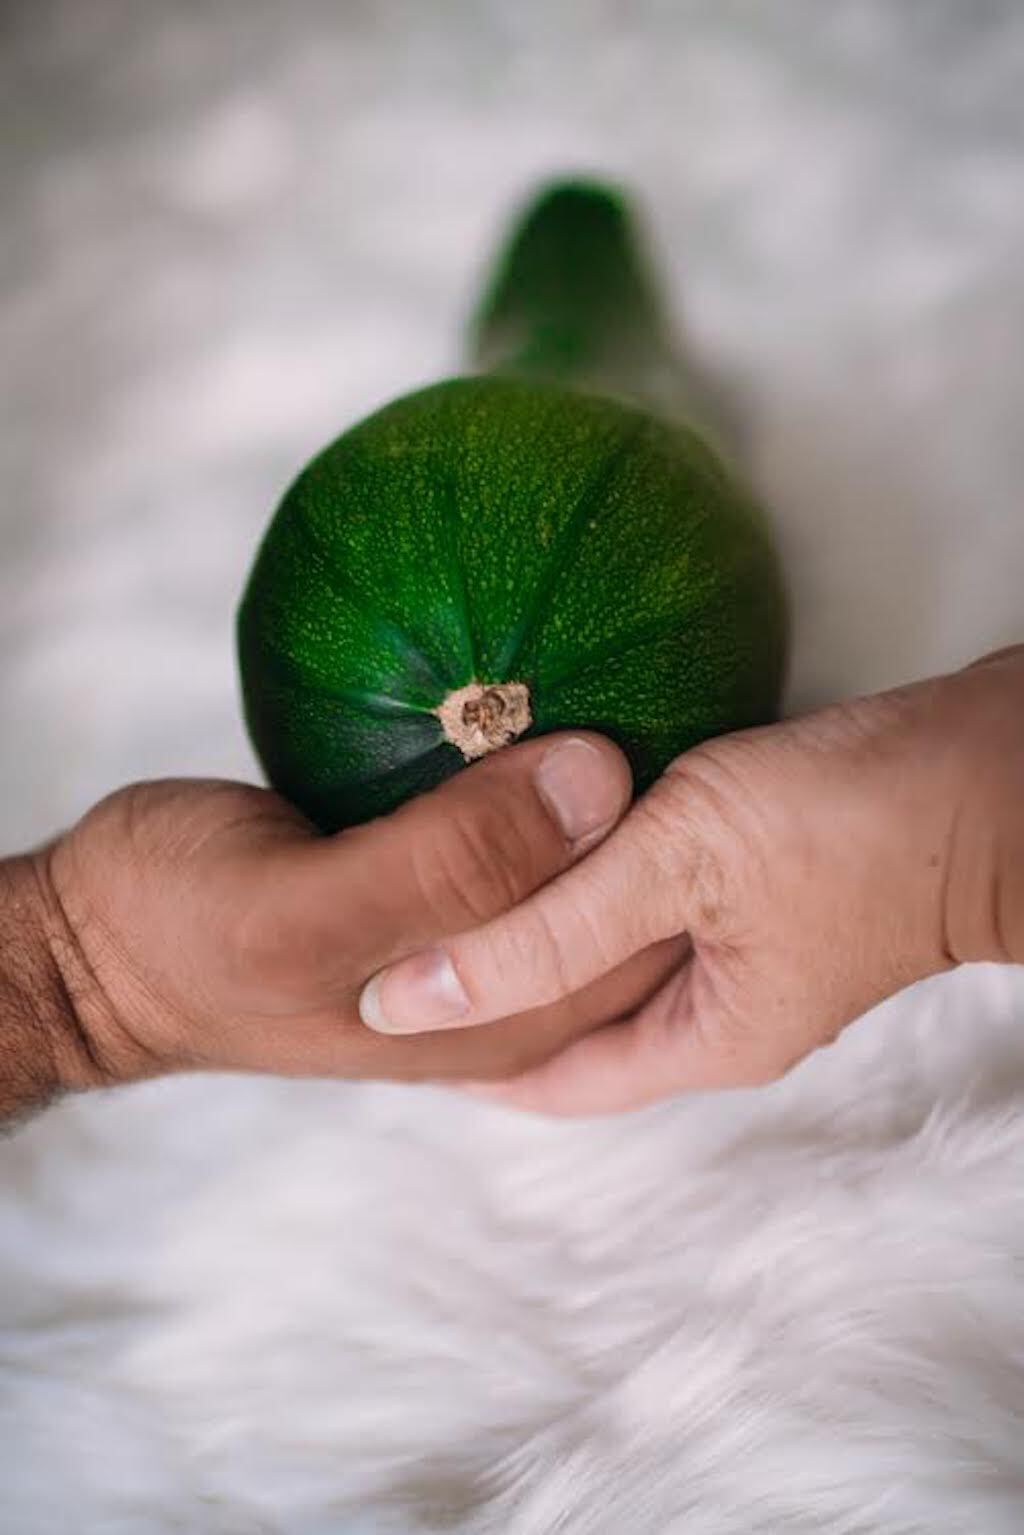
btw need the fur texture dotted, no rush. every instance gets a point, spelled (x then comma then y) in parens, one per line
(243, 1307)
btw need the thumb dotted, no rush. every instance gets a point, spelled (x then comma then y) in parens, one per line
(447, 860)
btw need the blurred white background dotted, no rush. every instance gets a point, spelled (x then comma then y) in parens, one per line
(227, 230)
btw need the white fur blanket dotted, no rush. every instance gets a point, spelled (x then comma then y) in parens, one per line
(253, 1308)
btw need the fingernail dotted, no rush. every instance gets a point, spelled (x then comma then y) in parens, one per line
(578, 785)
(418, 994)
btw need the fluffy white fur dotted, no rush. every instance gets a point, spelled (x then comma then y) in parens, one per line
(243, 1307)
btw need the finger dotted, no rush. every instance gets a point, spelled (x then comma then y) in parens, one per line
(444, 862)
(670, 1046)
(631, 892)
(316, 1045)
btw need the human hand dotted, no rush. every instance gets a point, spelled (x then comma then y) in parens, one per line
(198, 925)
(817, 866)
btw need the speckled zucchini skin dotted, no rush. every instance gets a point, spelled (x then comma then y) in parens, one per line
(497, 529)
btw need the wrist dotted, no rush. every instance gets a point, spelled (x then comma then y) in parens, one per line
(42, 1050)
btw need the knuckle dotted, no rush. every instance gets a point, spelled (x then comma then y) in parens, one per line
(587, 922)
(689, 844)
(472, 869)
(536, 954)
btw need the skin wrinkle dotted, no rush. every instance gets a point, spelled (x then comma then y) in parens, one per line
(81, 991)
(548, 940)
(702, 793)
(497, 860)
(458, 872)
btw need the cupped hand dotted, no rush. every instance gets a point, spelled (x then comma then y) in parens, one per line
(205, 925)
(814, 867)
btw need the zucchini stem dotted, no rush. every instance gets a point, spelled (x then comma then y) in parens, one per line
(483, 716)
